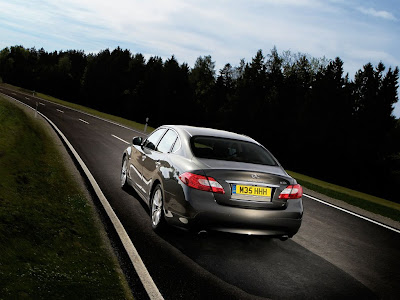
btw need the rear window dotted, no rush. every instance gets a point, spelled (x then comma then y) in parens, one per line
(230, 150)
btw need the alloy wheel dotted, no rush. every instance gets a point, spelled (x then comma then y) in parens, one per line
(156, 208)
(124, 170)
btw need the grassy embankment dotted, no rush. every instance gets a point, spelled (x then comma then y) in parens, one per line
(368, 202)
(374, 204)
(51, 245)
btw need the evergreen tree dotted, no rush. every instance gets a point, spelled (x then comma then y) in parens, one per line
(305, 109)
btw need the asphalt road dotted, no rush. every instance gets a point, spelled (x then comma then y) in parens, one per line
(335, 255)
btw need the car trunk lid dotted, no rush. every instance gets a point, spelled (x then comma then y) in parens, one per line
(248, 185)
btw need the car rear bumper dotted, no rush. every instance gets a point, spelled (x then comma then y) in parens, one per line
(204, 213)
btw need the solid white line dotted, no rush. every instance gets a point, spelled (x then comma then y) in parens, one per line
(353, 213)
(122, 140)
(59, 110)
(83, 121)
(137, 262)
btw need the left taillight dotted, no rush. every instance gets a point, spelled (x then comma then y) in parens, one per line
(292, 192)
(202, 183)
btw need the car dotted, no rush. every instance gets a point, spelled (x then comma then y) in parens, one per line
(204, 179)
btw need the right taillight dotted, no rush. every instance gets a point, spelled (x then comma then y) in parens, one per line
(292, 192)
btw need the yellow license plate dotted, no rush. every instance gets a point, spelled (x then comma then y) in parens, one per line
(251, 190)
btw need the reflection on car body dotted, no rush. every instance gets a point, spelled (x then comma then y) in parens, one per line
(208, 179)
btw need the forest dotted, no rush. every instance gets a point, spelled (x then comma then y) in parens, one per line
(314, 118)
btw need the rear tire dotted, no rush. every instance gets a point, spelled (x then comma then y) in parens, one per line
(157, 209)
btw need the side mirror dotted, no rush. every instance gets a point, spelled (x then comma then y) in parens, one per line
(137, 140)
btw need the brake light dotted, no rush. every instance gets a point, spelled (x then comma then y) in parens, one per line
(200, 182)
(292, 192)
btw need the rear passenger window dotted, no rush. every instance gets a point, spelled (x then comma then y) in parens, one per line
(167, 141)
(153, 139)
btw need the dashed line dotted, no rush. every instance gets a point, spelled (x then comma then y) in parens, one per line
(118, 138)
(40, 103)
(27, 98)
(59, 110)
(14, 94)
(86, 122)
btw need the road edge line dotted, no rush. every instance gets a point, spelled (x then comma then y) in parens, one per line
(353, 213)
(137, 262)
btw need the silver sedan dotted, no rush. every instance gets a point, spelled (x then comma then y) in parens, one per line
(208, 179)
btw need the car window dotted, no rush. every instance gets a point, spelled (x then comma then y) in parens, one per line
(230, 150)
(167, 141)
(152, 141)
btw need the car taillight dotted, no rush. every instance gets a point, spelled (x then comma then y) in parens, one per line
(200, 182)
(292, 192)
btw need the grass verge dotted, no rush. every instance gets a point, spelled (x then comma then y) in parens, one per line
(368, 202)
(50, 245)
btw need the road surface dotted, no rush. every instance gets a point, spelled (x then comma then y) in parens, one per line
(335, 255)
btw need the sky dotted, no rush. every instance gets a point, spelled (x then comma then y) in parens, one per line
(357, 31)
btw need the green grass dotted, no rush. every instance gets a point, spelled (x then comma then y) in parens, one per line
(368, 202)
(50, 245)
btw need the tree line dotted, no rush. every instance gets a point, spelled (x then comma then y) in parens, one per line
(312, 116)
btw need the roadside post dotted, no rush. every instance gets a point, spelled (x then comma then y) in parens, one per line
(145, 126)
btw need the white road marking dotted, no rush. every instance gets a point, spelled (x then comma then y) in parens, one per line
(122, 140)
(14, 94)
(137, 262)
(353, 213)
(59, 110)
(88, 114)
(42, 104)
(83, 121)
(27, 98)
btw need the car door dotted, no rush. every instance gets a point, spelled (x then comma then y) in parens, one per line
(135, 168)
(156, 160)
(138, 159)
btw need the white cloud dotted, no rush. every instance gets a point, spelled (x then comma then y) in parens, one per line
(226, 30)
(378, 13)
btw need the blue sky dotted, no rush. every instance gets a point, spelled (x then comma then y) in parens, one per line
(357, 31)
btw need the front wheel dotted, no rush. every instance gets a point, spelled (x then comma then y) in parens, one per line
(157, 209)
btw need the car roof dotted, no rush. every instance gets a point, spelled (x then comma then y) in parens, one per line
(202, 131)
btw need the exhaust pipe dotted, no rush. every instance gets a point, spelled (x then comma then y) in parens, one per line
(202, 233)
(284, 237)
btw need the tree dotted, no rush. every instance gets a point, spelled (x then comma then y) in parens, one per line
(374, 94)
(304, 109)
(202, 80)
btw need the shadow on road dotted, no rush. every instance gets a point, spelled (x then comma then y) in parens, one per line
(267, 267)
